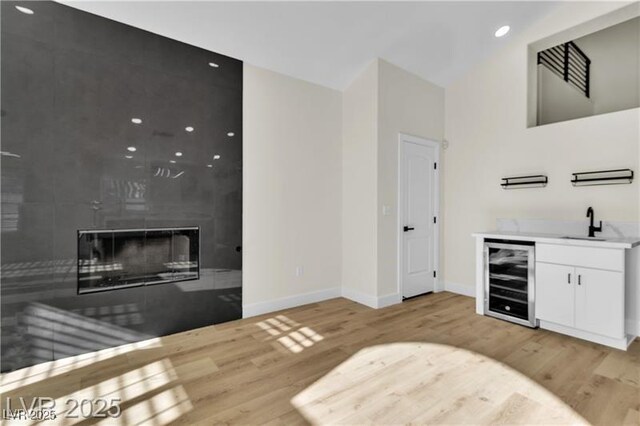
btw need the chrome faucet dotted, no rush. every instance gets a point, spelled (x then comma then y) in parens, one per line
(593, 229)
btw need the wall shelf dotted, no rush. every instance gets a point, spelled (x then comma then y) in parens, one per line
(604, 177)
(517, 182)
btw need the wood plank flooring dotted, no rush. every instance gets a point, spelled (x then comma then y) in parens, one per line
(430, 360)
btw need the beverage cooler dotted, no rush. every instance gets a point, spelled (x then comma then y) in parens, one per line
(510, 281)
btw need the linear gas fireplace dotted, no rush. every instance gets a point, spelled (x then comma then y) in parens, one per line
(113, 259)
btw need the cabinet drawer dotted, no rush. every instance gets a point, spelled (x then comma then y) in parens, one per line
(589, 257)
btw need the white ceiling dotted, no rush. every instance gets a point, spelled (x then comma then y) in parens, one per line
(329, 43)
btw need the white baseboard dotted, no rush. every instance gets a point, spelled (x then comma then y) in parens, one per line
(621, 344)
(371, 301)
(388, 300)
(632, 327)
(358, 297)
(253, 309)
(465, 290)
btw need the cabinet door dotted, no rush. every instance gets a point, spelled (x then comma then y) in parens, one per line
(600, 302)
(555, 293)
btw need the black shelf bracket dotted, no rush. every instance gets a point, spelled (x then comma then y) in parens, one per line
(604, 177)
(533, 181)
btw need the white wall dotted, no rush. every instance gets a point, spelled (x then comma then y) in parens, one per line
(359, 186)
(559, 100)
(411, 105)
(292, 191)
(318, 165)
(486, 127)
(615, 66)
(613, 76)
(381, 103)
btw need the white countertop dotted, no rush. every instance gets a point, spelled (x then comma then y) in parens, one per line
(619, 243)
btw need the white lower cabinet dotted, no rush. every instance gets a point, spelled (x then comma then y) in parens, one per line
(582, 301)
(555, 295)
(586, 289)
(599, 304)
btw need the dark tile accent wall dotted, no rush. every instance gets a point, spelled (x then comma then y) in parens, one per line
(71, 83)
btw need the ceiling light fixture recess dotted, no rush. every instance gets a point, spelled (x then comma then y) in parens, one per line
(25, 10)
(136, 121)
(502, 31)
(178, 154)
(128, 157)
(209, 165)
(172, 161)
(213, 65)
(216, 157)
(131, 148)
(189, 129)
(231, 134)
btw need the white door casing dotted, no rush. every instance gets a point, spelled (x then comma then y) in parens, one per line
(418, 210)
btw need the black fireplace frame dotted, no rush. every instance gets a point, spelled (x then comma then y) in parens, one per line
(141, 284)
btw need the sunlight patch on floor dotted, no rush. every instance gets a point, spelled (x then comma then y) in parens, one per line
(149, 394)
(428, 383)
(76, 334)
(289, 334)
(161, 409)
(128, 386)
(38, 372)
(153, 390)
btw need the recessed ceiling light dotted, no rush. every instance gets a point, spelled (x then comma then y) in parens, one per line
(213, 65)
(25, 10)
(216, 157)
(189, 129)
(129, 157)
(231, 134)
(172, 161)
(178, 154)
(210, 165)
(502, 31)
(136, 121)
(131, 148)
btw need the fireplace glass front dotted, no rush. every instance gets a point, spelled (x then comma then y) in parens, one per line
(111, 259)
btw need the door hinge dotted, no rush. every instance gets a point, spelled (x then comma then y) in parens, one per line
(435, 275)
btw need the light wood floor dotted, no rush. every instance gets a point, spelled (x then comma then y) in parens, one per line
(430, 360)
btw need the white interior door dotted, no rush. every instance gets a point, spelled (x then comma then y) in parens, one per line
(418, 217)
